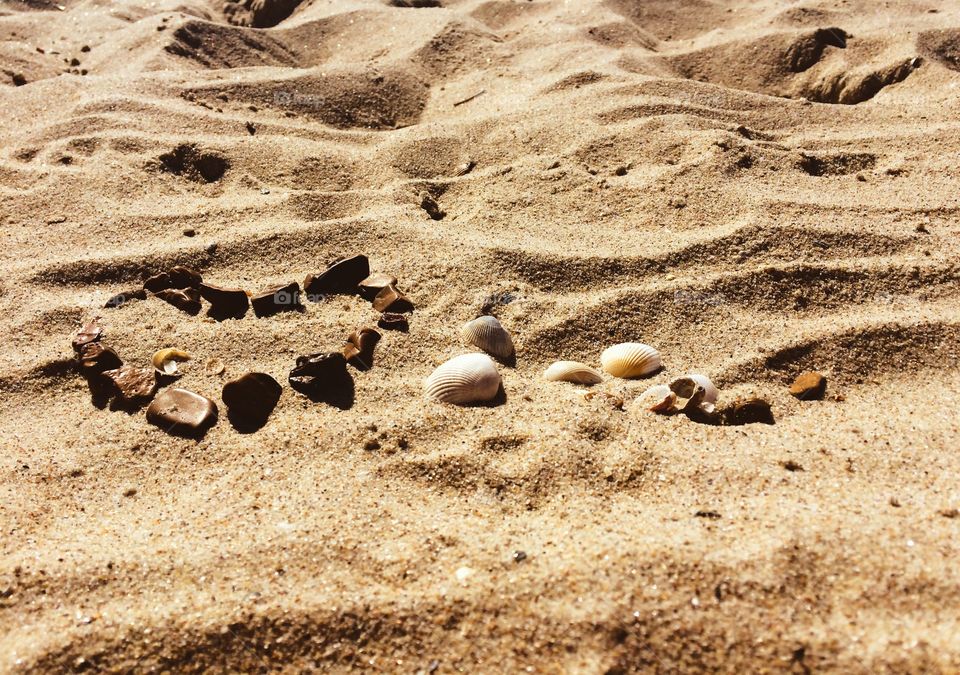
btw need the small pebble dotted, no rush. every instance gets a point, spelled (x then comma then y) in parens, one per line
(95, 358)
(391, 300)
(251, 398)
(359, 348)
(373, 284)
(91, 332)
(132, 383)
(341, 278)
(277, 299)
(182, 412)
(809, 386)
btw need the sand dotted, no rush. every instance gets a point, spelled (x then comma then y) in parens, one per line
(755, 188)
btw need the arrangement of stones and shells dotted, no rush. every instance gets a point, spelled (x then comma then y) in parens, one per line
(467, 379)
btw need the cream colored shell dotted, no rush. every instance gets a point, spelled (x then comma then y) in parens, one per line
(469, 378)
(658, 398)
(630, 359)
(165, 361)
(572, 371)
(488, 334)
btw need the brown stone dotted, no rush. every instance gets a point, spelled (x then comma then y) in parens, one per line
(133, 383)
(96, 357)
(181, 412)
(390, 299)
(373, 284)
(750, 411)
(91, 332)
(809, 386)
(184, 277)
(320, 374)
(392, 321)
(158, 282)
(342, 277)
(225, 301)
(251, 398)
(277, 299)
(186, 299)
(359, 348)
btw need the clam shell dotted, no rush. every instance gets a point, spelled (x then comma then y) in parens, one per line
(486, 333)
(658, 398)
(572, 371)
(469, 378)
(165, 361)
(630, 359)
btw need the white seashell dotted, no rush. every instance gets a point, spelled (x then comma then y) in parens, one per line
(630, 359)
(469, 378)
(572, 371)
(165, 360)
(658, 398)
(486, 333)
(695, 391)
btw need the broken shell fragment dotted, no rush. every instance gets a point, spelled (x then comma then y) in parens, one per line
(695, 391)
(658, 398)
(469, 378)
(165, 361)
(572, 371)
(630, 359)
(488, 334)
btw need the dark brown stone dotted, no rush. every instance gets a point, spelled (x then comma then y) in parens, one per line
(373, 284)
(158, 282)
(359, 348)
(185, 299)
(809, 386)
(342, 277)
(390, 299)
(91, 332)
(133, 383)
(251, 398)
(430, 205)
(277, 299)
(96, 357)
(391, 321)
(181, 412)
(225, 301)
(184, 277)
(125, 297)
(321, 375)
(750, 411)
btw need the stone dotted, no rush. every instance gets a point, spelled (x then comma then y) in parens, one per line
(373, 284)
(132, 383)
(227, 302)
(809, 386)
(181, 412)
(251, 398)
(359, 348)
(393, 321)
(91, 332)
(390, 299)
(186, 299)
(319, 374)
(158, 282)
(749, 411)
(276, 299)
(184, 277)
(341, 278)
(96, 357)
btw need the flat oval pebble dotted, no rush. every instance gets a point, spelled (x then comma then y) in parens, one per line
(487, 333)
(182, 412)
(469, 378)
(630, 359)
(572, 371)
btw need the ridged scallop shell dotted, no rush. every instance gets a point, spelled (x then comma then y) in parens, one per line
(486, 333)
(165, 360)
(630, 359)
(469, 378)
(572, 371)
(658, 398)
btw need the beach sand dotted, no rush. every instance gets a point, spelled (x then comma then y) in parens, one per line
(755, 188)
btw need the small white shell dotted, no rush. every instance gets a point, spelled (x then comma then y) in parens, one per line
(469, 378)
(572, 371)
(165, 360)
(658, 398)
(630, 359)
(486, 333)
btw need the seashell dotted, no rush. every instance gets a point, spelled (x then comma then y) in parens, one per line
(630, 359)
(572, 371)
(469, 378)
(658, 398)
(165, 360)
(486, 333)
(695, 391)
(214, 367)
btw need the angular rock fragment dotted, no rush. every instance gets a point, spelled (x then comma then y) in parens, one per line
(91, 332)
(393, 321)
(342, 277)
(96, 357)
(359, 349)
(225, 302)
(277, 299)
(373, 284)
(132, 383)
(250, 399)
(390, 299)
(186, 299)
